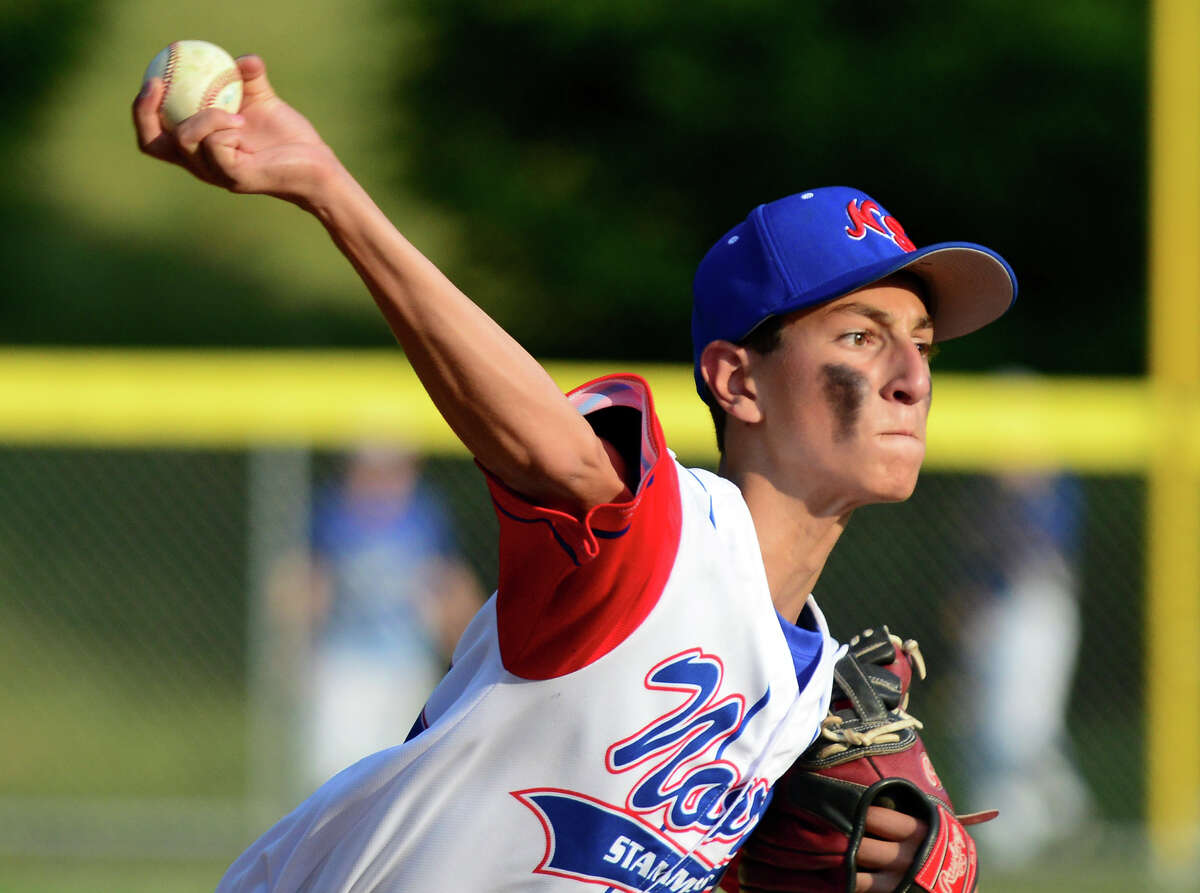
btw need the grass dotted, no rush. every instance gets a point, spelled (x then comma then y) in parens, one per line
(185, 877)
(33, 876)
(88, 730)
(1122, 881)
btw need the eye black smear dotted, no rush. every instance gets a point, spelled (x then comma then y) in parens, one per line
(845, 388)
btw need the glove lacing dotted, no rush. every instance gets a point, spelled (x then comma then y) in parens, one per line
(842, 739)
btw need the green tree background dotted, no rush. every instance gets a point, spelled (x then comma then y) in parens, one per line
(578, 158)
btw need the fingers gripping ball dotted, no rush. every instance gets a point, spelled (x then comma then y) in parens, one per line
(198, 75)
(868, 753)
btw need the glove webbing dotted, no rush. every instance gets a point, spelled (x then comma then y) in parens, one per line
(875, 723)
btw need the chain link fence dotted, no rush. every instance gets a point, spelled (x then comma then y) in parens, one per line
(146, 695)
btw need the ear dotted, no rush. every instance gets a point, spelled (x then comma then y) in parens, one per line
(726, 369)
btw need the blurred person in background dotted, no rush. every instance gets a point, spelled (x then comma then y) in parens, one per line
(1019, 640)
(373, 611)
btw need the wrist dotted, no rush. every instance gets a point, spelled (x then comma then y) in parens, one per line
(328, 190)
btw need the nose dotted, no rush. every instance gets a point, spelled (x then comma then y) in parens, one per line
(909, 380)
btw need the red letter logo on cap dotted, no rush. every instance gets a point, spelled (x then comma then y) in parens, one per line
(867, 216)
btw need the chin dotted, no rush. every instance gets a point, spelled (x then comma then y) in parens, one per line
(895, 485)
(897, 495)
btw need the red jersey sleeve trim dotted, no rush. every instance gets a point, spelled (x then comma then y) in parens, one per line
(570, 589)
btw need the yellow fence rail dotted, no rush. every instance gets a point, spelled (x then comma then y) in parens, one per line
(332, 398)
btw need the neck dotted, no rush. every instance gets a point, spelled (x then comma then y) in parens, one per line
(795, 535)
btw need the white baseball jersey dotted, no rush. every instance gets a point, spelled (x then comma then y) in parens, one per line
(614, 719)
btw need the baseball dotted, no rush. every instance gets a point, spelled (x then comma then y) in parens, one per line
(198, 75)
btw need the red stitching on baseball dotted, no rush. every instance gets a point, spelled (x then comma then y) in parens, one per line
(219, 83)
(169, 71)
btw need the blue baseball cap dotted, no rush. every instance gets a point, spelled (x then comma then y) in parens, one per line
(818, 245)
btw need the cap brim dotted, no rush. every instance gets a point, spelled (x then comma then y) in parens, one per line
(969, 285)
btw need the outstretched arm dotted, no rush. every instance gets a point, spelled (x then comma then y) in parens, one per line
(498, 400)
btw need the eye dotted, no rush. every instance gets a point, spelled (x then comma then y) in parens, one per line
(927, 350)
(857, 339)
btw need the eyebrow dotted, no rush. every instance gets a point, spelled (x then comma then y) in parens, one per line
(878, 316)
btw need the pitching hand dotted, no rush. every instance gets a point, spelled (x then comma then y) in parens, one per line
(267, 148)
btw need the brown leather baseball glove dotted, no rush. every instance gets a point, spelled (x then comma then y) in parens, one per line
(868, 753)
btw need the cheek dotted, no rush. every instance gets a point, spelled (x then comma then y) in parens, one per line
(845, 389)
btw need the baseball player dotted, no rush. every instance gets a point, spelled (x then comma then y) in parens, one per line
(653, 659)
